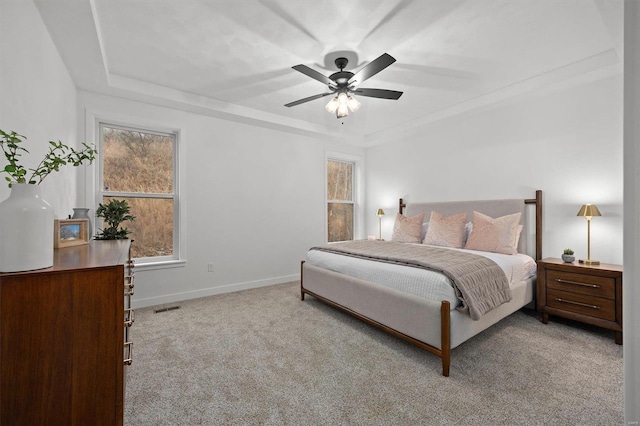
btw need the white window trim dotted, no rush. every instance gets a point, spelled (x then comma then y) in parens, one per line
(358, 188)
(92, 178)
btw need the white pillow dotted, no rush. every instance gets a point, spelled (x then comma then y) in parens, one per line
(425, 227)
(468, 227)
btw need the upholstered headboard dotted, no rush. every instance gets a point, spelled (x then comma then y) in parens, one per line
(531, 209)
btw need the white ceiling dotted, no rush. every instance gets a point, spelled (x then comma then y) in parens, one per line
(233, 58)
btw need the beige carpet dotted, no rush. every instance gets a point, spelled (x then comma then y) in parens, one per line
(263, 357)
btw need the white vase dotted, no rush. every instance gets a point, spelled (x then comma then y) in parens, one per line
(26, 230)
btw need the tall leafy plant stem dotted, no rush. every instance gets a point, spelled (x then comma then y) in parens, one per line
(59, 155)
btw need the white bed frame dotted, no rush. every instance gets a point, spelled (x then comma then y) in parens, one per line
(428, 324)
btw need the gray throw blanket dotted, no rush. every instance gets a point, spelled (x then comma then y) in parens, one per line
(480, 283)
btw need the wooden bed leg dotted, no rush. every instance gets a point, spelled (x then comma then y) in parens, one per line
(445, 335)
(301, 288)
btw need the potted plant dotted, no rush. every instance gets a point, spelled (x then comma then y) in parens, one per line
(113, 214)
(567, 256)
(26, 228)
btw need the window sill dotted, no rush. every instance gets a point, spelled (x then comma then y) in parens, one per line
(150, 266)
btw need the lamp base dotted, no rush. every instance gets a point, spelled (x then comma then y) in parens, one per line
(589, 262)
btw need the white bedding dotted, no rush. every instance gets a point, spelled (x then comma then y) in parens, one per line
(420, 282)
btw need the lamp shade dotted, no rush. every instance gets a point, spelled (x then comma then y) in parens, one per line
(343, 109)
(589, 210)
(353, 103)
(332, 106)
(380, 212)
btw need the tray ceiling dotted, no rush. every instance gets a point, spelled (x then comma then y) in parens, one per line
(233, 58)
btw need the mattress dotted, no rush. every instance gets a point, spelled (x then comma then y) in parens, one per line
(420, 282)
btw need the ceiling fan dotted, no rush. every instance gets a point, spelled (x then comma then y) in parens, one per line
(343, 84)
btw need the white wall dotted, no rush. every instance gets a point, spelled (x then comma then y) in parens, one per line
(566, 142)
(37, 97)
(631, 290)
(256, 196)
(254, 200)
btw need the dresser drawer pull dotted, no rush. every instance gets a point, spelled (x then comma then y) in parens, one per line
(577, 303)
(128, 317)
(128, 347)
(128, 290)
(577, 283)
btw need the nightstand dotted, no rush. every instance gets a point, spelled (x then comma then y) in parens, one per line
(588, 293)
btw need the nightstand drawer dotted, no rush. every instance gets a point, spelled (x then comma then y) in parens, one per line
(596, 307)
(591, 285)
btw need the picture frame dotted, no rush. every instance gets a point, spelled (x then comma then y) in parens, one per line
(70, 232)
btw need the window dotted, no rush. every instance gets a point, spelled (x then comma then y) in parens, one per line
(139, 165)
(340, 200)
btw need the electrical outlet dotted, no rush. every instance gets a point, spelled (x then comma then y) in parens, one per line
(210, 267)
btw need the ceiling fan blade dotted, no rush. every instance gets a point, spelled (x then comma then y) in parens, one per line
(373, 68)
(310, 98)
(378, 93)
(314, 74)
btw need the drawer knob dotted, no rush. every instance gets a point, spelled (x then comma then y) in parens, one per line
(571, 302)
(560, 280)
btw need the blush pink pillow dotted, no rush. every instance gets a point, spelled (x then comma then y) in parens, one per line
(446, 231)
(407, 229)
(499, 235)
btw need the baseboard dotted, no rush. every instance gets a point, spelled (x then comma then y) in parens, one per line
(212, 291)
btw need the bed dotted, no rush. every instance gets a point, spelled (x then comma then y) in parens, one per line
(435, 322)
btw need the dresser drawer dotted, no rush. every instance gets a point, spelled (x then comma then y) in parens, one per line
(596, 307)
(591, 285)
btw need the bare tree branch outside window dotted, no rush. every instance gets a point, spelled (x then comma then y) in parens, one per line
(340, 205)
(139, 167)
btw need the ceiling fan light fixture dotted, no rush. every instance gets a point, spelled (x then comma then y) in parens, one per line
(353, 103)
(341, 104)
(332, 106)
(342, 109)
(342, 83)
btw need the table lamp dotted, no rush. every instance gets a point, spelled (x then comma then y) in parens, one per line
(588, 211)
(380, 213)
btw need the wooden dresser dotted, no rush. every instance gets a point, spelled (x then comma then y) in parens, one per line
(61, 354)
(586, 293)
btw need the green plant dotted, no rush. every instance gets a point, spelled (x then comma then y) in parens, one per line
(59, 155)
(568, 251)
(113, 213)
